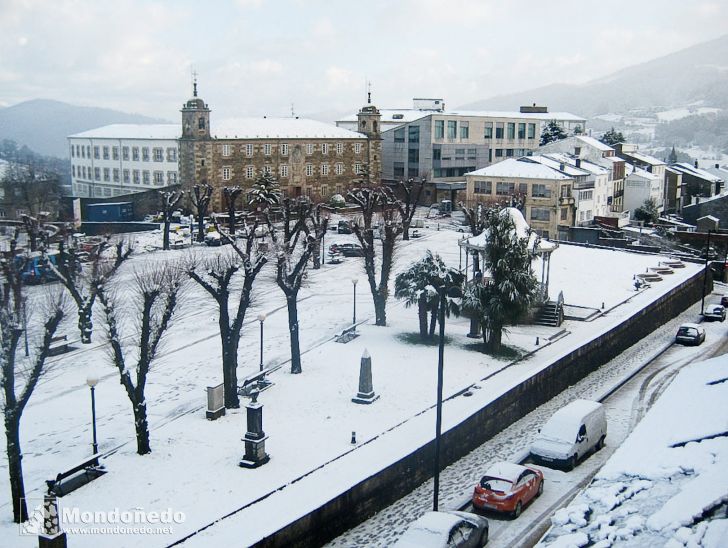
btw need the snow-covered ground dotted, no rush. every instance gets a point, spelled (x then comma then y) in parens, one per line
(665, 486)
(309, 418)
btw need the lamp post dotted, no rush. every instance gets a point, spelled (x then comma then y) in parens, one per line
(323, 246)
(261, 319)
(92, 381)
(354, 281)
(705, 274)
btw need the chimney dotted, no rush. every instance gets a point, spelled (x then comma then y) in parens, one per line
(578, 162)
(561, 166)
(696, 163)
(717, 166)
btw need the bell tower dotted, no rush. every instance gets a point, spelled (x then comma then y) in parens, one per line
(369, 123)
(195, 128)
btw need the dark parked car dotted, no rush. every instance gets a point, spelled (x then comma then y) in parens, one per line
(690, 333)
(348, 250)
(344, 228)
(445, 529)
(724, 301)
(714, 312)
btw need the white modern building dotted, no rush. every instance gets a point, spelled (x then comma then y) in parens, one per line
(639, 186)
(124, 158)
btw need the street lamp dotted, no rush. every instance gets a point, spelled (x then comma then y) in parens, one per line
(354, 281)
(92, 380)
(261, 319)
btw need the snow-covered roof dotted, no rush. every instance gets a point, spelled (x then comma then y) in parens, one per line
(637, 172)
(645, 158)
(543, 116)
(695, 171)
(522, 231)
(505, 470)
(556, 162)
(596, 143)
(394, 115)
(584, 165)
(280, 128)
(522, 168)
(132, 131)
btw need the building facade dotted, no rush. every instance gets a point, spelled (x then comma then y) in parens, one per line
(123, 159)
(544, 195)
(307, 157)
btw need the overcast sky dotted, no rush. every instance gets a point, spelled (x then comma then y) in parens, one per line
(256, 57)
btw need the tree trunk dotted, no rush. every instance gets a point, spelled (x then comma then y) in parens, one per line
(200, 228)
(433, 321)
(85, 325)
(15, 469)
(380, 308)
(142, 428)
(317, 254)
(405, 233)
(165, 241)
(493, 342)
(292, 304)
(422, 313)
(230, 371)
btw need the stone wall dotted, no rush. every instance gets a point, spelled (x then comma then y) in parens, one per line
(383, 488)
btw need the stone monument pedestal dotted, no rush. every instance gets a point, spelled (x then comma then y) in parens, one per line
(366, 393)
(254, 438)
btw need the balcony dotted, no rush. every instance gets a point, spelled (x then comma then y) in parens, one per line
(566, 200)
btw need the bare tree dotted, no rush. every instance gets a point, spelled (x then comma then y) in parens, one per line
(369, 200)
(157, 292)
(216, 275)
(16, 393)
(291, 262)
(319, 224)
(231, 195)
(84, 287)
(169, 199)
(411, 191)
(200, 196)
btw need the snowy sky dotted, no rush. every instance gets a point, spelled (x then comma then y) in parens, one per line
(256, 57)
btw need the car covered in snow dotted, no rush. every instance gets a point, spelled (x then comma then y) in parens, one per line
(348, 250)
(714, 312)
(445, 529)
(690, 333)
(507, 487)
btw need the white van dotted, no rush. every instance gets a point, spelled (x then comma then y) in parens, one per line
(572, 432)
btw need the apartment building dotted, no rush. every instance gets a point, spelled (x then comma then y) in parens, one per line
(641, 185)
(544, 195)
(123, 159)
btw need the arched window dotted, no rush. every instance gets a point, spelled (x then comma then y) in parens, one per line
(363, 124)
(201, 123)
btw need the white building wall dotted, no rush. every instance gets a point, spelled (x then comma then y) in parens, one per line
(106, 167)
(637, 190)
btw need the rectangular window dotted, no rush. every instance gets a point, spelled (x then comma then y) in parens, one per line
(145, 177)
(509, 153)
(464, 130)
(566, 191)
(284, 170)
(309, 149)
(73, 169)
(114, 153)
(459, 153)
(266, 149)
(96, 153)
(399, 135)
(522, 130)
(499, 153)
(83, 152)
(339, 168)
(540, 214)
(125, 153)
(73, 152)
(171, 154)
(324, 169)
(399, 169)
(511, 130)
(137, 180)
(249, 150)
(158, 154)
(436, 153)
(564, 213)
(172, 177)
(499, 130)
(413, 134)
(472, 153)
(107, 174)
(357, 169)
(226, 150)
(531, 131)
(452, 129)
(115, 174)
(413, 155)
(145, 154)
(107, 192)
(339, 148)
(226, 173)
(483, 187)
(309, 168)
(284, 149)
(439, 129)
(267, 170)
(135, 154)
(125, 176)
(88, 151)
(324, 148)
(488, 130)
(249, 172)
(324, 190)
(159, 178)
(106, 153)
(505, 189)
(540, 191)
(523, 189)
(412, 172)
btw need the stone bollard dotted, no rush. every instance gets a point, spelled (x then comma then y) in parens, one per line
(254, 438)
(366, 389)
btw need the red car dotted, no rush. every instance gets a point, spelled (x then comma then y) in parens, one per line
(508, 487)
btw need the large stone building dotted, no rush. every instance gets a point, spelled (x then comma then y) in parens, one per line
(307, 157)
(123, 159)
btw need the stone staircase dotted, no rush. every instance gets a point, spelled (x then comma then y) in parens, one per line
(551, 314)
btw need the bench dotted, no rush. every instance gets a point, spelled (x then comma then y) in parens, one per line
(59, 345)
(346, 335)
(256, 382)
(76, 476)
